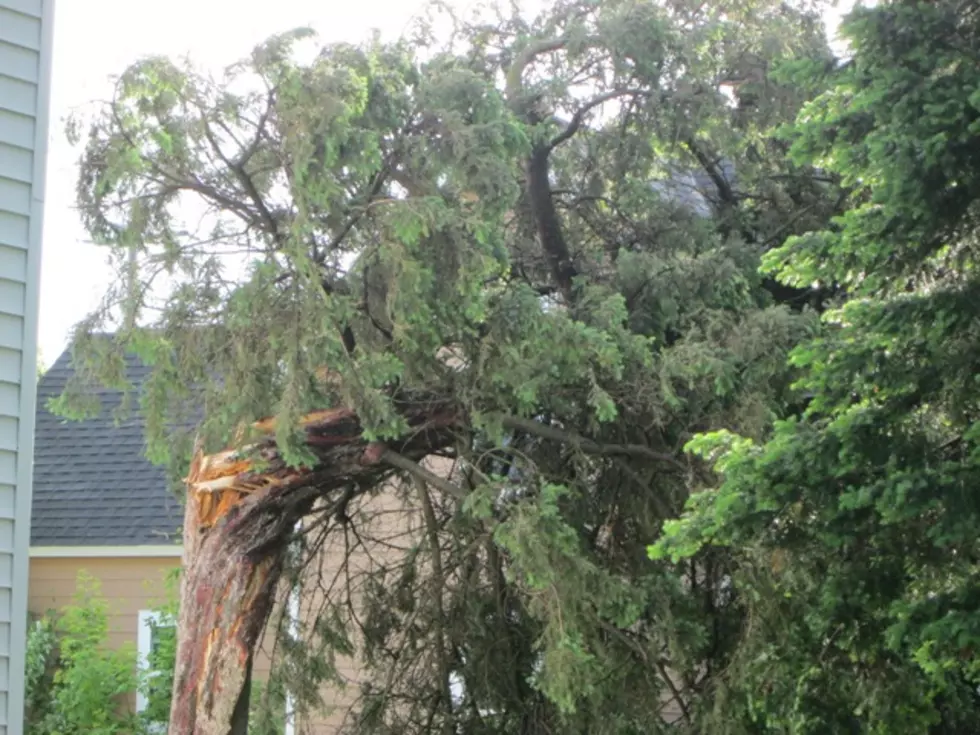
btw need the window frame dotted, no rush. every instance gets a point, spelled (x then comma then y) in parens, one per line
(147, 620)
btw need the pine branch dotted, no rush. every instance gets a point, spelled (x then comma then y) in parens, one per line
(419, 472)
(588, 446)
(438, 593)
(579, 117)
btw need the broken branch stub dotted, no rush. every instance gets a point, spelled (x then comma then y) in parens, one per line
(237, 525)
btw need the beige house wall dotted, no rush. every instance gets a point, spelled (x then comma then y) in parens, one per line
(128, 584)
(389, 523)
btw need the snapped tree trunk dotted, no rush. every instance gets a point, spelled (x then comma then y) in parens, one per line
(237, 527)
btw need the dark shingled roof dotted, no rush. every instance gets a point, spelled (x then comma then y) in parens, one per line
(93, 485)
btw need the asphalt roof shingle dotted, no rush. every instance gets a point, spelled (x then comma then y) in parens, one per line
(93, 485)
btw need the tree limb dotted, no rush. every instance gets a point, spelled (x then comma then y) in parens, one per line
(249, 151)
(579, 117)
(373, 189)
(515, 84)
(548, 223)
(586, 445)
(419, 472)
(539, 192)
(725, 191)
(438, 592)
(237, 167)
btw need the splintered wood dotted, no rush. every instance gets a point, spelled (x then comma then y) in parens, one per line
(242, 507)
(218, 482)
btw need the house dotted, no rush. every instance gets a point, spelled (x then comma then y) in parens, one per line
(100, 507)
(25, 72)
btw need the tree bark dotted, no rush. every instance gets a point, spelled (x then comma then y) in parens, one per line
(237, 527)
(226, 598)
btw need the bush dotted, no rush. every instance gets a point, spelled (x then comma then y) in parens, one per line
(75, 683)
(156, 684)
(40, 665)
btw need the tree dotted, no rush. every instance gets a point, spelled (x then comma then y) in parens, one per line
(472, 248)
(855, 524)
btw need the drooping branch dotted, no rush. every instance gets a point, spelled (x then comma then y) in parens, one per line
(438, 599)
(586, 445)
(242, 507)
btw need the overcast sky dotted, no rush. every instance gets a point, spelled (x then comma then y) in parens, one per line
(95, 39)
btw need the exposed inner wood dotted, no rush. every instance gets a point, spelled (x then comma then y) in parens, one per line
(237, 525)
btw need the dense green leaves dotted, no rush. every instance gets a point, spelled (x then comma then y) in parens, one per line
(861, 514)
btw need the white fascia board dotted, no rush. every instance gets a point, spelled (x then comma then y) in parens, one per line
(106, 552)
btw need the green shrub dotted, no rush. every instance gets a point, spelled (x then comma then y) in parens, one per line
(156, 683)
(40, 665)
(76, 685)
(267, 710)
(79, 689)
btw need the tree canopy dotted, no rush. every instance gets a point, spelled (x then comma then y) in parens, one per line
(861, 512)
(552, 228)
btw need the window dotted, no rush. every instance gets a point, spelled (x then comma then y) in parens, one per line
(156, 640)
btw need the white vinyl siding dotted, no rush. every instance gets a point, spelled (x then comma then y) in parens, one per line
(25, 62)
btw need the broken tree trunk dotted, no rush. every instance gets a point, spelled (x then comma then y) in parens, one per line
(237, 526)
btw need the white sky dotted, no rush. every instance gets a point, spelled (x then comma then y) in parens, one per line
(95, 39)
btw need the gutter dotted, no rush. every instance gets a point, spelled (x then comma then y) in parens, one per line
(107, 552)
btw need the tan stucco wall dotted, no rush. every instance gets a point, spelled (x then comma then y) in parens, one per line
(128, 584)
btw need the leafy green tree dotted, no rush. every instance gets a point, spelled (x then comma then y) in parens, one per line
(531, 248)
(855, 524)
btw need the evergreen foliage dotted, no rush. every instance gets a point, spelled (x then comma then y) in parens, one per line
(855, 523)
